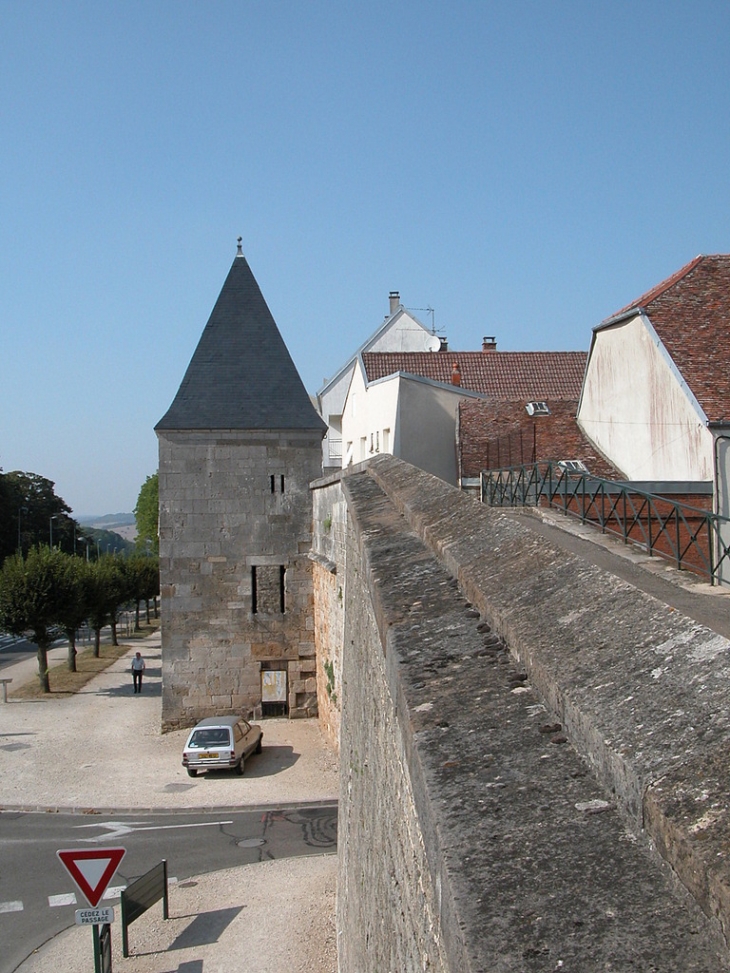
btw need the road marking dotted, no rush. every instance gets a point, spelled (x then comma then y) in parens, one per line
(67, 898)
(118, 828)
(114, 891)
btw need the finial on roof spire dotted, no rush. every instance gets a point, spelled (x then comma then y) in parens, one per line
(240, 250)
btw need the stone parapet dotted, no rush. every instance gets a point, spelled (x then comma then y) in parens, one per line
(520, 732)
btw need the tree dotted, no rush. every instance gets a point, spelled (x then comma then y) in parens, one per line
(75, 585)
(108, 591)
(31, 599)
(8, 520)
(31, 512)
(150, 568)
(137, 572)
(146, 516)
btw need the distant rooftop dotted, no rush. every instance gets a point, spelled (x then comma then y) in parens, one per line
(690, 312)
(500, 374)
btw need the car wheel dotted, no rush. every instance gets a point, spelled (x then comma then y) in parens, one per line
(258, 746)
(192, 772)
(239, 767)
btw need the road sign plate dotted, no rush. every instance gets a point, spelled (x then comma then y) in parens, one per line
(92, 870)
(94, 917)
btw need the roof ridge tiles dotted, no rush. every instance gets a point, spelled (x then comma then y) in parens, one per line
(653, 293)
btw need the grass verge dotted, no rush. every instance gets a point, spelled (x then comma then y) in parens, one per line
(66, 683)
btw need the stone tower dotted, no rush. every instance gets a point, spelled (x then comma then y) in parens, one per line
(238, 448)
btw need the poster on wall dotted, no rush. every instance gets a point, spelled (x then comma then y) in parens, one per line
(273, 686)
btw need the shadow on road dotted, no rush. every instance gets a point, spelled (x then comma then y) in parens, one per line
(272, 760)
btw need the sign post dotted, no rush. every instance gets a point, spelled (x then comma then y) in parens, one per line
(103, 949)
(92, 870)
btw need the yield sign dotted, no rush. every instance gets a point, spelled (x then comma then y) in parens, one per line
(92, 869)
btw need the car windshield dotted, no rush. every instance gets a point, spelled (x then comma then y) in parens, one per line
(213, 737)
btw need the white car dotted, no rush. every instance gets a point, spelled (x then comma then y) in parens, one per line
(221, 743)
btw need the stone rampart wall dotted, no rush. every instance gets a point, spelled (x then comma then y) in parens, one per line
(329, 557)
(520, 732)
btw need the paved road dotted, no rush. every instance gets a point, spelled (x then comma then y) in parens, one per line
(38, 898)
(14, 650)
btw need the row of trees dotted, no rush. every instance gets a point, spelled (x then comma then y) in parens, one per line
(31, 513)
(46, 590)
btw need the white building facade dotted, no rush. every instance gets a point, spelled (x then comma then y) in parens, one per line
(400, 331)
(639, 410)
(411, 417)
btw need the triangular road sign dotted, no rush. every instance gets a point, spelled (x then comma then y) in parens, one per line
(92, 869)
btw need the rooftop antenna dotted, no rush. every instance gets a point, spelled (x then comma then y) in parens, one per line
(430, 311)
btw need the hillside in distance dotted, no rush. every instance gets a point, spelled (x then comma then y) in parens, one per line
(122, 524)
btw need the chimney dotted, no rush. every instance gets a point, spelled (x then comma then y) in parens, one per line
(394, 298)
(456, 374)
(489, 343)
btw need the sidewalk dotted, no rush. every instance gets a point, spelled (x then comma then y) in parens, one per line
(271, 909)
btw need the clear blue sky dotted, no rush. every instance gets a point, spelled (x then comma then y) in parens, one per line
(525, 168)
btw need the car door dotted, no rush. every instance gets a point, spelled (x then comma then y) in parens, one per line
(239, 739)
(249, 737)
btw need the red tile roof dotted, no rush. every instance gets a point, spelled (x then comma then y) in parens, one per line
(690, 312)
(526, 375)
(500, 434)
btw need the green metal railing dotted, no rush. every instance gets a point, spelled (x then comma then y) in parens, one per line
(692, 538)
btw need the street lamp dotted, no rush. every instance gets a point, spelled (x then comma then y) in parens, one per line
(50, 528)
(21, 510)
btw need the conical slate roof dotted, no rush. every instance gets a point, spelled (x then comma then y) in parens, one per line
(241, 375)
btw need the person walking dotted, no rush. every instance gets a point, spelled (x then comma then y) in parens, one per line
(137, 670)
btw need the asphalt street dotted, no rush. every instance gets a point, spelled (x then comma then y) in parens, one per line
(14, 650)
(38, 898)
